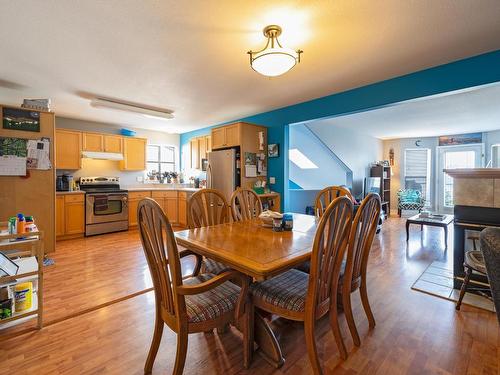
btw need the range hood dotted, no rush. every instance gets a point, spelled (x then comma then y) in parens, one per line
(102, 155)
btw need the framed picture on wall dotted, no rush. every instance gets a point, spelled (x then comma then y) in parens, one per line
(21, 119)
(273, 150)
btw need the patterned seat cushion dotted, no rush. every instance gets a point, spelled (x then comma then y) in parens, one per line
(211, 304)
(287, 290)
(213, 267)
(475, 260)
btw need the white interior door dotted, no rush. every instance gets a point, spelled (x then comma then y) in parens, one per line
(451, 157)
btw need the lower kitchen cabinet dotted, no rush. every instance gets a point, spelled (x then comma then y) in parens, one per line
(134, 198)
(183, 209)
(59, 215)
(70, 215)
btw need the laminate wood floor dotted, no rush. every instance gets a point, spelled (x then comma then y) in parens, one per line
(415, 333)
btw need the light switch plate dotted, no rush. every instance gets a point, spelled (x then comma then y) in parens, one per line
(140, 179)
(272, 180)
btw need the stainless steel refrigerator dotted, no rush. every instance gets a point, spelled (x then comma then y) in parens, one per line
(222, 171)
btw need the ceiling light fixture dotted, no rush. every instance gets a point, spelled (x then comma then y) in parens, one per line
(273, 60)
(148, 111)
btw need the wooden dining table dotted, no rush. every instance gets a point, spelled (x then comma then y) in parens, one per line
(259, 253)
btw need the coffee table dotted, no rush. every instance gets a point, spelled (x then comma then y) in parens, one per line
(433, 221)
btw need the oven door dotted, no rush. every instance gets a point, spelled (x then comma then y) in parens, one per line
(106, 207)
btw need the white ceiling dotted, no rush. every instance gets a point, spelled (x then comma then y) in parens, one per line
(465, 111)
(190, 56)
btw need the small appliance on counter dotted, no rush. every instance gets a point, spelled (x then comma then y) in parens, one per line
(106, 205)
(64, 183)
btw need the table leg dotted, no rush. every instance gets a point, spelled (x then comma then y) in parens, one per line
(407, 231)
(269, 347)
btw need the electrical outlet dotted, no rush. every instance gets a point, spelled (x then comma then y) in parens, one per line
(139, 179)
(272, 180)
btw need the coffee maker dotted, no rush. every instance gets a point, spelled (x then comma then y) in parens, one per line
(64, 182)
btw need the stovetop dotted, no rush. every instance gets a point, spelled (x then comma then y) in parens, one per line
(101, 185)
(94, 190)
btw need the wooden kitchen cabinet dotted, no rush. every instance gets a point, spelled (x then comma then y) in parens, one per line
(59, 215)
(195, 154)
(113, 143)
(218, 138)
(134, 154)
(202, 147)
(68, 147)
(169, 203)
(133, 201)
(208, 143)
(93, 142)
(226, 136)
(70, 215)
(198, 150)
(182, 214)
(232, 135)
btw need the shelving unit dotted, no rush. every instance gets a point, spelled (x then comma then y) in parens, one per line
(384, 172)
(28, 254)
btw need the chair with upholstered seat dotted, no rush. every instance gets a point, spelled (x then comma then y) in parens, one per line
(410, 199)
(245, 204)
(473, 261)
(327, 195)
(306, 297)
(208, 207)
(363, 230)
(195, 304)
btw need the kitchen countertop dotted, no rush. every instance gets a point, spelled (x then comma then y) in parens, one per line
(70, 192)
(163, 188)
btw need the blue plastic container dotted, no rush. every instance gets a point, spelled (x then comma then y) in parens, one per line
(127, 132)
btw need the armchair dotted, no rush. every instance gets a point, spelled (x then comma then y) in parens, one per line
(410, 199)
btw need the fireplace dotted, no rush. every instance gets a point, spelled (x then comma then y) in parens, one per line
(469, 222)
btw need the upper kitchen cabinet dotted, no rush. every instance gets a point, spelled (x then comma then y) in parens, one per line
(113, 143)
(134, 154)
(68, 149)
(226, 136)
(195, 153)
(93, 142)
(199, 147)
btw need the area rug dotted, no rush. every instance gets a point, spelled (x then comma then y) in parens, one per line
(437, 280)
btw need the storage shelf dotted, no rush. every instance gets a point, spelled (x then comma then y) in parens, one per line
(25, 315)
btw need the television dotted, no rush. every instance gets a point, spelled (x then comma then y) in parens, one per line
(372, 185)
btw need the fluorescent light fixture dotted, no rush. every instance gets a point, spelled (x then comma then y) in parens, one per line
(148, 111)
(300, 160)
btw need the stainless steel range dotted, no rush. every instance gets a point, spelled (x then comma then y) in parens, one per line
(106, 205)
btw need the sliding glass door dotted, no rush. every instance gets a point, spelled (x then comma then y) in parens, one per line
(452, 157)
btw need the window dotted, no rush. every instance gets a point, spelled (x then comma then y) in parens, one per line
(300, 160)
(455, 159)
(418, 171)
(160, 159)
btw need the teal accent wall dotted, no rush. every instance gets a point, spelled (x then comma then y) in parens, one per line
(470, 72)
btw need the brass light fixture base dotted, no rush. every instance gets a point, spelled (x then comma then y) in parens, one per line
(272, 31)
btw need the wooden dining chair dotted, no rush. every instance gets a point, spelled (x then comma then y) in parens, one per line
(195, 304)
(208, 207)
(299, 296)
(363, 230)
(327, 195)
(245, 204)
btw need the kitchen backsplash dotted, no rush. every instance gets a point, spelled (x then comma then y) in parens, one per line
(94, 167)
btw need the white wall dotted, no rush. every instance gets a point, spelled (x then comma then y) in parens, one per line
(329, 172)
(399, 145)
(92, 167)
(355, 149)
